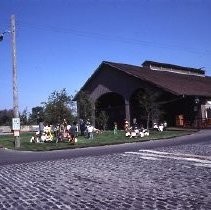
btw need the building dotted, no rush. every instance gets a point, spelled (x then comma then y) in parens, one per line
(185, 93)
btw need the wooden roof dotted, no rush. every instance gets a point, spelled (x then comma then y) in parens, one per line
(175, 83)
(178, 84)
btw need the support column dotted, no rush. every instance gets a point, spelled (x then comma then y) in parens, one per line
(93, 114)
(127, 110)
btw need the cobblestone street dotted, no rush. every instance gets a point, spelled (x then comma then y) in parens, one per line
(177, 177)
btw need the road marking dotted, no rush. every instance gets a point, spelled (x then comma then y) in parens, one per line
(149, 158)
(196, 160)
(177, 154)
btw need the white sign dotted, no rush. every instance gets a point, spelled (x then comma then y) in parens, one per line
(17, 133)
(16, 124)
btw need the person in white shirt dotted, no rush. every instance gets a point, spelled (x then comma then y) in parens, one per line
(90, 130)
(161, 127)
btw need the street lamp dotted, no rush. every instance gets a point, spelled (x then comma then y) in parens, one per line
(16, 119)
(2, 35)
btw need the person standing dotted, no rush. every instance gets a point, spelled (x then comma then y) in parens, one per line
(115, 128)
(90, 130)
(40, 122)
(82, 126)
(73, 132)
(134, 123)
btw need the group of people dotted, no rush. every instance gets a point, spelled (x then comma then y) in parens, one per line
(87, 129)
(41, 137)
(61, 132)
(64, 132)
(160, 126)
(135, 131)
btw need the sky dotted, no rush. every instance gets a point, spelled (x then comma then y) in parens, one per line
(60, 43)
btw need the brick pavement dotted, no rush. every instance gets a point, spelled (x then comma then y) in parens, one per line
(115, 181)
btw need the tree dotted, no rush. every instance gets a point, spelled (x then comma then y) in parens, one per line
(102, 120)
(24, 117)
(85, 106)
(58, 107)
(37, 113)
(6, 117)
(148, 101)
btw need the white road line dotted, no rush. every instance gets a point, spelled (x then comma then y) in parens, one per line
(149, 158)
(146, 156)
(177, 154)
(202, 165)
(196, 160)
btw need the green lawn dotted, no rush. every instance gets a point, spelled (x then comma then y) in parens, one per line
(106, 138)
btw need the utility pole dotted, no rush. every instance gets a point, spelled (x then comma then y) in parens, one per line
(16, 119)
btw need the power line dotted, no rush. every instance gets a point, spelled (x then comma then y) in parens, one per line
(101, 36)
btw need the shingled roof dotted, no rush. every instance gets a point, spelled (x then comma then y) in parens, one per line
(175, 83)
(178, 84)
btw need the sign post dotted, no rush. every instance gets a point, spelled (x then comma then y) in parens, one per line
(16, 119)
(16, 127)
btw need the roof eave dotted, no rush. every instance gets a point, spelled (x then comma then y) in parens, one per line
(87, 82)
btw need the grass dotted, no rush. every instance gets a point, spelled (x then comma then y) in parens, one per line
(106, 138)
